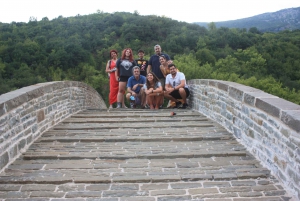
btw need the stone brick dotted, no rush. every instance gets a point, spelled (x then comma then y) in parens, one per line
(220, 195)
(250, 194)
(9, 187)
(186, 185)
(235, 189)
(4, 159)
(203, 191)
(127, 193)
(167, 192)
(264, 188)
(47, 194)
(83, 194)
(218, 184)
(40, 115)
(97, 187)
(124, 187)
(145, 187)
(79, 187)
(275, 193)
(174, 198)
(8, 195)
(258, 199)
(137, 199)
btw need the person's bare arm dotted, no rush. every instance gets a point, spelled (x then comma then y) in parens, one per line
(149, 68)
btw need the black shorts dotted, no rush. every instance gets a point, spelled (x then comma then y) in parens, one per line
(176, 94)
(123, 78)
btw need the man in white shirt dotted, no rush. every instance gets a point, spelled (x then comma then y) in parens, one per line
(176, 87)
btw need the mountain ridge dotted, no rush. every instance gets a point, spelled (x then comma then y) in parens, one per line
(285, 19)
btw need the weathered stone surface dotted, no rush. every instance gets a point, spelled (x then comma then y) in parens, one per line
(292, 119)
(168, 161)
(203, 191)
(124, 193)
(83, 194)
(3, 159)
(167, 192)
(40, 187)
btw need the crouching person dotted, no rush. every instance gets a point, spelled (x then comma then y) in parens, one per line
(154, 91)
(134, 88)
(176, 87)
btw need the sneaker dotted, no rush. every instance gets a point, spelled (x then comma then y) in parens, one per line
(119, 105)
(178, 104)
(184, 106)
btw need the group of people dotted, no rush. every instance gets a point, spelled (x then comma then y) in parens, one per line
(147, 82)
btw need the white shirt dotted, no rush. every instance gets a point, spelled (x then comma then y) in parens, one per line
(174, 82)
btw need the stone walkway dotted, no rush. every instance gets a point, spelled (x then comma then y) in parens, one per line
(138, 155)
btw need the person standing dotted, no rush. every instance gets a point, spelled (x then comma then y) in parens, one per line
(154, 64)
(134, 88)
(113, 83)
(142, 63)
(164, 65)
(123, 72)
(176, 87)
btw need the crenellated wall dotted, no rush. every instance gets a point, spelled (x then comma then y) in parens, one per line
(28, 112)
(267, 125)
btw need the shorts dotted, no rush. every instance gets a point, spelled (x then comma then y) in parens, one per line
(162, 81)
(123, 78)
(176, 94)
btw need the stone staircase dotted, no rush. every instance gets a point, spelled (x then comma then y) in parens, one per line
(138, 155)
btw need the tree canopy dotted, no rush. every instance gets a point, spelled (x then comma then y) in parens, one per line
(77, 48)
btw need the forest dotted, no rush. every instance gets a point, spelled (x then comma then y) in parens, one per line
(77, 48)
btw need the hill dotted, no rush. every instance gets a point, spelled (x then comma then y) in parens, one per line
(286, 19)
(77, 48)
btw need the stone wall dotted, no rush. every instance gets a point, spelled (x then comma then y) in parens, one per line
(28, 112)
(268, 126)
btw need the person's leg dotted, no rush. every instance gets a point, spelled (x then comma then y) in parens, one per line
(182, 94)
(150, 102)
(157, 102)
(168, 96)
(143, 98)
(120, 98)
(128, 96)
(175, 96)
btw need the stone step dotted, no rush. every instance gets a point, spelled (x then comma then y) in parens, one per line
(138, 155)
(233, 190)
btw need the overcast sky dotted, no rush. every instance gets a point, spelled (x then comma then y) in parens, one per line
(188, 10)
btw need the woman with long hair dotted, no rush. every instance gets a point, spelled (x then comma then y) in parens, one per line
(154, 91)
(124, 71)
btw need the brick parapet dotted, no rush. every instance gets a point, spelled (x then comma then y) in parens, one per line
(267, 125)
(28, 112)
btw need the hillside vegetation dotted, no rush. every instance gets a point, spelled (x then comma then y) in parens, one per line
(286, 19)
(77, 48)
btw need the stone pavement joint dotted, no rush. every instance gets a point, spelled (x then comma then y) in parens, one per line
(138, 155)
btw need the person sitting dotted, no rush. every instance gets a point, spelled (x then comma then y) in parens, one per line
(176, 87)
(154, 91)
(134, 86)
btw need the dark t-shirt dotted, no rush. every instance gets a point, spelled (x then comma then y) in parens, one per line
(125, 67)
(154, 62)
(143, 64)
